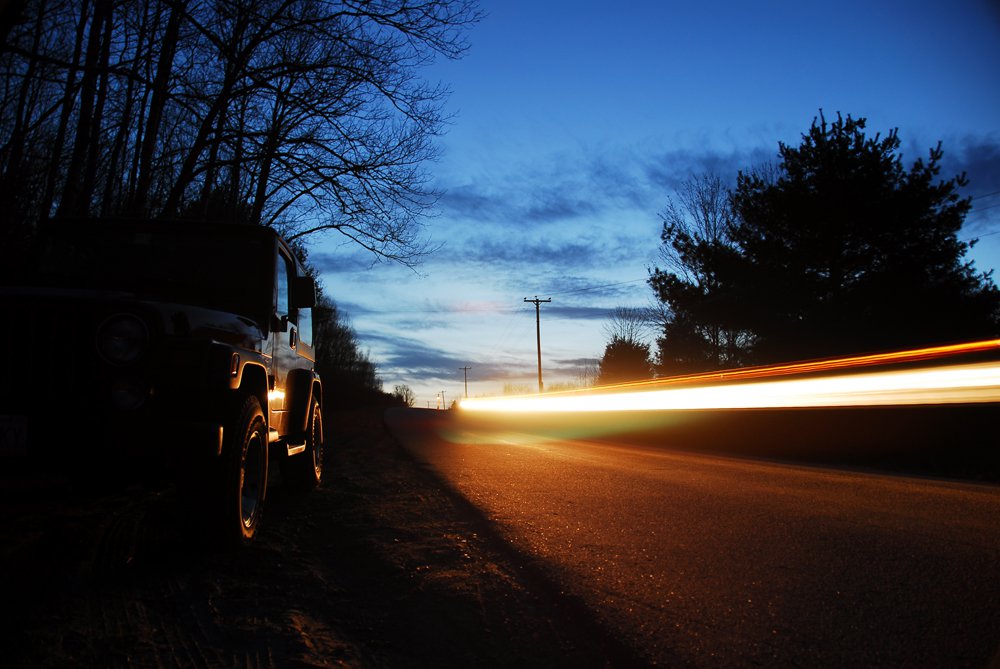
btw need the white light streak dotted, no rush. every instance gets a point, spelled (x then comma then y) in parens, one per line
(953, 384)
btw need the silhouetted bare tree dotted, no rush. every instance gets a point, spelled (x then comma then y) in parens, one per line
(305, 115)
(696, 325)
(404, 394)
(628, 324)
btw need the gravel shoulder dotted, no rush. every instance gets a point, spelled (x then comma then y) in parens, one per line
(380, 567)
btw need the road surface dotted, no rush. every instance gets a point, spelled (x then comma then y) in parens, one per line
(707, 561)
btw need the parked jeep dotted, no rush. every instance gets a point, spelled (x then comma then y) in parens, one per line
(165, 347)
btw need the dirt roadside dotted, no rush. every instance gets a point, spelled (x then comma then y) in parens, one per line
(381, 567)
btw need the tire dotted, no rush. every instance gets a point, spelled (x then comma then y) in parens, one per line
(224, 500)
(247, 470)
(305, 470)
(242, 481)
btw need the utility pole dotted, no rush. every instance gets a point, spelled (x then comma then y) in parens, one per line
(466, 370)
(538, 335)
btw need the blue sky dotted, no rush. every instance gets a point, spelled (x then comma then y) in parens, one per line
(572, 124)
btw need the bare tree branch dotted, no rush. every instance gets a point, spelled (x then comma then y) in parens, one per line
(308, 115)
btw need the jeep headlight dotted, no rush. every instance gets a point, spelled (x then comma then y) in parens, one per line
(122, 339)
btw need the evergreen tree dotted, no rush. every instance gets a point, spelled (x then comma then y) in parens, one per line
(624, 360)
(841, 250)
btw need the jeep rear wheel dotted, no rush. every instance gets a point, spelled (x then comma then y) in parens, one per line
(305, 470)
(244, 474)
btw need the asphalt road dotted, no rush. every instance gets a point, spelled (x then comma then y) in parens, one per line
(693, 559)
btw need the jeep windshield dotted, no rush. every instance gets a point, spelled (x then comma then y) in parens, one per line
(217, 267)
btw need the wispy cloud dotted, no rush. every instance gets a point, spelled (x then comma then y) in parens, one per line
(513, 252)
(666, 171)
(412, 357)
(562, 188)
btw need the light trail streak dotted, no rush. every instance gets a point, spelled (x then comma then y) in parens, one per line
(756, 388)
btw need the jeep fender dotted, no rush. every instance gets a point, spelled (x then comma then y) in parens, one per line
(252, 380)
(302, 385)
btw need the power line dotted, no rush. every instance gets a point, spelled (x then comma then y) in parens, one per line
(509, 325)
(980, 197)
(985, 234)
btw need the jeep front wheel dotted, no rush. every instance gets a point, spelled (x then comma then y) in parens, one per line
(244, 476)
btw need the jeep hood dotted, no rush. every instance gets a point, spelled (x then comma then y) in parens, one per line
(173, 319)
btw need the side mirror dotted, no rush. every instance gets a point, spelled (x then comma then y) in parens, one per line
(279, 323)
(303, 292)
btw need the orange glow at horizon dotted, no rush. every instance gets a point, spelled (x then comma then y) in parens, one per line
(758, 388)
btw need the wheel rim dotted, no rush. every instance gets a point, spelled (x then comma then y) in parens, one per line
(252, 485)
(317, 445)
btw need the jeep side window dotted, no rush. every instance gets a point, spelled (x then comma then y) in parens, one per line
(283, 304)
(299, 316)
(305, 326)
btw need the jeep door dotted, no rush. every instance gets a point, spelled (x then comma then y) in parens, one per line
(292, 338)
(284, 339)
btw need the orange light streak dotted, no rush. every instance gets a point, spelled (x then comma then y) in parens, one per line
(801, 386)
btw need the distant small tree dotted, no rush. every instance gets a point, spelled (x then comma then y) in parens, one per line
(562, 386)
(404, 394)
(624, 360)
(626, 357)
(589, 372)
